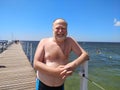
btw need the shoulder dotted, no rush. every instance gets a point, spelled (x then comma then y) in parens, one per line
(44, 41)
(70, 39)
(72, 42)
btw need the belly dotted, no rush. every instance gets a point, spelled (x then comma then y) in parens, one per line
(51, 80)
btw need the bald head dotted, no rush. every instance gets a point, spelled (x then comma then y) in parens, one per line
(59, 21)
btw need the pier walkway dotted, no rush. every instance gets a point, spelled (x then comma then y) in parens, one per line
(16, 72)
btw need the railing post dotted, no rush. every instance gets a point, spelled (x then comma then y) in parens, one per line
(27, 49)
(31, 53)
(84, 73)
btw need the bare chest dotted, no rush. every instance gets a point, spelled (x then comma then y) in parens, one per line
(55, 52)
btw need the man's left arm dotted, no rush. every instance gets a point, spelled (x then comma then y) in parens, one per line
(80, 52)
(82, 57)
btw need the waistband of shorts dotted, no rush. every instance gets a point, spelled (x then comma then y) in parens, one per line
(50, 86)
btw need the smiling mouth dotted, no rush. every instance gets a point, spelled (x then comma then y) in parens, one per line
(60, 35)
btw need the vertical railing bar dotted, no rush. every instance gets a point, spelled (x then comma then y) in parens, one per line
(84, 72)
(31, 52)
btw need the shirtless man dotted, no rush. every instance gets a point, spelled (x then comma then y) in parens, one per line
(51, 58)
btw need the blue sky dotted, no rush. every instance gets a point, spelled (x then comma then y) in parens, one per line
(88, 20)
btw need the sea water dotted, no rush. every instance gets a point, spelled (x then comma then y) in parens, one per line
(104, 63)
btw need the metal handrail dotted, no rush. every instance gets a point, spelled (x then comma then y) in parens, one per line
(84, 72)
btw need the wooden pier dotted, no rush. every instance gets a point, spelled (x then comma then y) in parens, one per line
(16, 72)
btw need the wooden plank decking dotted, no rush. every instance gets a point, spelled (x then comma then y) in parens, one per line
(16, 72)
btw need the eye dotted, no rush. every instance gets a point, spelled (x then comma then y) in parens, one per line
(57, 28)
(63, 28)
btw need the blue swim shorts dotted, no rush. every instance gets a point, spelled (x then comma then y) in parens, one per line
(42, 86)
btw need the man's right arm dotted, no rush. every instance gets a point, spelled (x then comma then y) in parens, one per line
(42, 67)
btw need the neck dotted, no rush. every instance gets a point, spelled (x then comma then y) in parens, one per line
(59, 41)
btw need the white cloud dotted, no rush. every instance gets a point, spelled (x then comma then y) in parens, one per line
(116, 22)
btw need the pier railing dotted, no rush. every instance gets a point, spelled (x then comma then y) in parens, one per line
(84, 74)
(4, 44)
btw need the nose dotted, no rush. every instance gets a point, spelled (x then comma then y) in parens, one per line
(60, 30)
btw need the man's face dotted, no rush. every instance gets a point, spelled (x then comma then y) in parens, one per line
(60, 30)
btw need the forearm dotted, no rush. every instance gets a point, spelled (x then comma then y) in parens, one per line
(43, 68)
(75, 63)
(82, 58)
